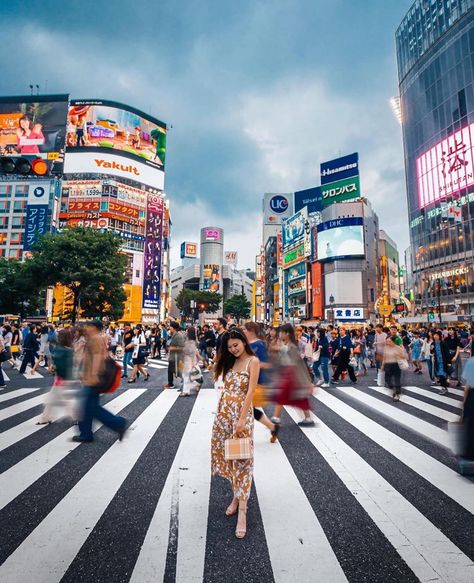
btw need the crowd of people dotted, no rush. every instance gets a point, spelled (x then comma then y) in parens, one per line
(253, 367)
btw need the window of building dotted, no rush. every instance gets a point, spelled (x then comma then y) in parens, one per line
(21, 191)
(17, 222)
(5, 189)
(19, 206)
(14, 254)
(15, 238)
(4, 206)
(3, 222)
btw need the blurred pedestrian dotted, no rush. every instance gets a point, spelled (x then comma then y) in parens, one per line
(254, 335)
(191, 358)
(321, 358)
(454, 347)
(127, 349)
(138, 355)
(239, 368)
(4, 356)
(62, 392)
(30, 349)
(392, 354)
(95, 355)
(345, 353)
(467, 444)
(441, 361)
(293, 385)
(175, 349)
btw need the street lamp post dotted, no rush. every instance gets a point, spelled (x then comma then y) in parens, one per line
(331, 303)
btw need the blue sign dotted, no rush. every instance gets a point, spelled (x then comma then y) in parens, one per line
(279, 204)
(340, 168)
(293, 229)
(36, 224)
(310, 198)
(346, 222)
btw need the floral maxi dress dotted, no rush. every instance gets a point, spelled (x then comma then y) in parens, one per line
(238, 472)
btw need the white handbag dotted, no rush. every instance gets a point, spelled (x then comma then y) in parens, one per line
(381, 378)
(403, 364)
(316, 355)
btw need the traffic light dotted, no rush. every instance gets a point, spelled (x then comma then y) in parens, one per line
(24, 166)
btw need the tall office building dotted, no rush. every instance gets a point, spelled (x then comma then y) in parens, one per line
(435, 51)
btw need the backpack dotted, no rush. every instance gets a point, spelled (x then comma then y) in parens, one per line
(110, 377)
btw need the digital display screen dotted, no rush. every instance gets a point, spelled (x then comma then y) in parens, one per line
(341, 238)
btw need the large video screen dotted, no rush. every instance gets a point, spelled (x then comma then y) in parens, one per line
(33, 126)
(341, 239)
(105, 125)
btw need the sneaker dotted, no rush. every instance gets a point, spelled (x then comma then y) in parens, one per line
(443, 391)
(334, 382)
(3, 386)
(325, 386)
(319, 383)
(306, 423)
(81, 439)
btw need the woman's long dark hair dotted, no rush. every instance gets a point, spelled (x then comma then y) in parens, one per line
(288, 328)
(226, 360)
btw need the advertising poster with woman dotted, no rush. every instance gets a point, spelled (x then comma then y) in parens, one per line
(33, 126)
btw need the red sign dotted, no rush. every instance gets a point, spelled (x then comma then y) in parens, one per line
(317, 289)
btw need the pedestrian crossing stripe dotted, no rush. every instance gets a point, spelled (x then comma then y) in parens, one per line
(295, 538)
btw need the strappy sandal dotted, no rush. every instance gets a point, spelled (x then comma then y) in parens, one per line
(241, 532)
(231, 510)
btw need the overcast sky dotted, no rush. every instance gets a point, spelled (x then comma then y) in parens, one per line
(258, 92)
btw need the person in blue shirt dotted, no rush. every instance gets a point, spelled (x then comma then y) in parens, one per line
(344, 355)
(253, 333)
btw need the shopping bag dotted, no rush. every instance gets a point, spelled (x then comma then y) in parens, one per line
(381, 378)
(238, 448)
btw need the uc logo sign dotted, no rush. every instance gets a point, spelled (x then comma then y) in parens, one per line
(279, 204)
(38, 191)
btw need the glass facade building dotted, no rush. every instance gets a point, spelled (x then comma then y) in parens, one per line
(435, 52)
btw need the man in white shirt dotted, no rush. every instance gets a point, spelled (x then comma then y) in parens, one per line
(379, 343)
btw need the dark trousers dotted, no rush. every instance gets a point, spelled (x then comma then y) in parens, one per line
(127, 359)
(2, 378)
(173, 369)
(28, 358)
(92, 409)
(342, 365)
(393, 377)
(468, 423)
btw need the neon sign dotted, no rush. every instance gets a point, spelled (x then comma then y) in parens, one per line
(446, 168)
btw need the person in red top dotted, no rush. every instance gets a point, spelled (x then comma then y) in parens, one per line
(29, 135)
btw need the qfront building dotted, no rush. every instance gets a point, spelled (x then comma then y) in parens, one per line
(89, 163)
(435, 51)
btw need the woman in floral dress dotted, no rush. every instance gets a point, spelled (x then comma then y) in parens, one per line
(239, 368)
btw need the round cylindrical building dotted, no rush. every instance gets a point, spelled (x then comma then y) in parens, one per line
(212, 259)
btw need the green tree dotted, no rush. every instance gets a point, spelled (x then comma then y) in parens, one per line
(89, 264)
(19, 291)
(238, 307)
(205, 301)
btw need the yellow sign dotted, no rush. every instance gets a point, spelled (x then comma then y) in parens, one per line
(385, 309)
(53, 155)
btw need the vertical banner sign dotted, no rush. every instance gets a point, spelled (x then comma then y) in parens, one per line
(152, 254)
(36, 213)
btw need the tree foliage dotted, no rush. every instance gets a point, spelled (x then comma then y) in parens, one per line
(238, 307)
(205, 301)
(89, 264)
(20, 292)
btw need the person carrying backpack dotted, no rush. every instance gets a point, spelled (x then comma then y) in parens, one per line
(96, 358)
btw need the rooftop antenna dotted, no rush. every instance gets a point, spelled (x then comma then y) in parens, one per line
(37, 89)
(31, 89)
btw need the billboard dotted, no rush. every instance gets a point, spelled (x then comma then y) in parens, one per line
(212, 235)
(277, 207)
(101, 126)
(447, 167)
(211, 275)
(340, 168)
(34, 126)
(341, 239)
(152, 252)
(310, 198)
(115, 165)
(293, 229)
(293, 256)
(188, 249)
(298, 271)
(346, 189)
(230, 257)
(36, 222)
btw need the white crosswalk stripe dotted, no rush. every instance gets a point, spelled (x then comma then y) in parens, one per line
(296, 540)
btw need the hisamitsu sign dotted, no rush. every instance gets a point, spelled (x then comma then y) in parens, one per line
(340, 168)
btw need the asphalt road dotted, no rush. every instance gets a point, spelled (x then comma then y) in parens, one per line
(372, 493)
